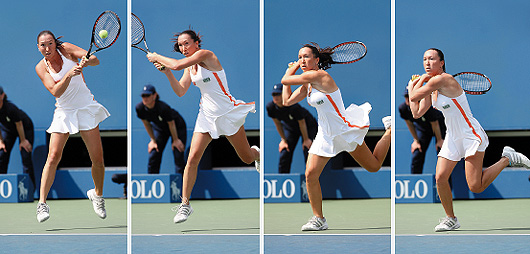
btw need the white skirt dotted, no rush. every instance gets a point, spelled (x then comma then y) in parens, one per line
(347, 140)
(74, 120)
(227, 124)
(456, 148)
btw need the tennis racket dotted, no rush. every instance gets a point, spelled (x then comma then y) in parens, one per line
(348, 52)
(473, 82)
(109, 21)
(138, 35)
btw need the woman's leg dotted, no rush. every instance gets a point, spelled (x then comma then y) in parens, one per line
(373, 161)
(57, 142)
(477, 179)
(444, 168)
(199, 142)
(93, 144)
(240, 143)
(315, 165)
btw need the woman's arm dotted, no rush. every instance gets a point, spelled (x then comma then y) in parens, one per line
(202, 55)
(420, 95)
(179, 87)
(80, 53)
(56, 89)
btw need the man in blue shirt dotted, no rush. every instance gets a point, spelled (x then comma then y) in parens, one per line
(161, 122)
(291, 123)
(15, 123)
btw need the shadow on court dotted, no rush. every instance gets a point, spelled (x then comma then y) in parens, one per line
(359, 229)
(213, 230)
(86, 228)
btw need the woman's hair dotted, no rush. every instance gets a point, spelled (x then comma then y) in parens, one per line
(57, 41)
(194, 36)
(324, 55)
(440, 54)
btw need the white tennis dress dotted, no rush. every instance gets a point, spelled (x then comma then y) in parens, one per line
(339, 129)
(76, 108)
(464, 135)
(219, 112)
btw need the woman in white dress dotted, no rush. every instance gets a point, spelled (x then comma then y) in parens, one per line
(465, 137)
(339, 129)
(76, 111)
(219, 113)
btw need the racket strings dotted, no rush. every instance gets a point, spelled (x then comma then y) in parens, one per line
(473, 82)
(348, 52)
(110, 22)
(138, 31)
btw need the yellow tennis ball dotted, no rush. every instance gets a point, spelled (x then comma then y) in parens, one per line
(103, 34)
(414, 77)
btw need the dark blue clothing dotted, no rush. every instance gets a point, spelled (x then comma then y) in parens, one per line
(289, 117)
(424, 131)
(9, 115)
(159, 117)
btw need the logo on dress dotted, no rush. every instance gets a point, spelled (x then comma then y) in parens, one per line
(160, 118)
(8, 119)
(206, 80)
(446, 106)
(320, 102)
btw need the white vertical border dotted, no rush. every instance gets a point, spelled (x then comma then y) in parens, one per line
(393, 137)
(261, 121)
(129, 126)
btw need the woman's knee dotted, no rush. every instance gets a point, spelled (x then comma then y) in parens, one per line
(54, 156)
(476, 188)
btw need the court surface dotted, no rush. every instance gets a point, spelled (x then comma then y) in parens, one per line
(231, 216)
(74, 216)
(347, 216)
(488, 226)
(73, 227)
(499, 216)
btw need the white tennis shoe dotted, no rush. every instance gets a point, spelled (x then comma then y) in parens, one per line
(516, 159)
(183, 212)
(387, 122)
(257, 163)
(98, 203)
(447, 224)
(315, 224)
(43, 212)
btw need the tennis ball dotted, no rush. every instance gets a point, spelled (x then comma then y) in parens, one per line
(414, 77)
(103, 34)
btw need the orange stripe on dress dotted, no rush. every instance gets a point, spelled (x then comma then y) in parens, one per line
(224, 91)
(341, 116)
(467, 119)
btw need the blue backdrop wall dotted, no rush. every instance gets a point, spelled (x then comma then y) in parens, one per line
(230, 29)
(73, 20)
(291, 24)
(488, 37)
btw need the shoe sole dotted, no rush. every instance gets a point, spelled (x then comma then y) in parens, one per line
(44, 219)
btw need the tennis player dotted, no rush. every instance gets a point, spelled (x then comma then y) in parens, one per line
(339, 129)
(219, 113)
(465, 137)
(76, 111)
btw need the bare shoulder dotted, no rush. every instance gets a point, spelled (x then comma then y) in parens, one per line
(40, 67)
